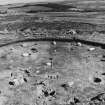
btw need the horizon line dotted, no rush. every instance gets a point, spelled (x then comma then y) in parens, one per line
(10, 2)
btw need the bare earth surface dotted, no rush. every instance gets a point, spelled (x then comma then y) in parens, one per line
(52, 53)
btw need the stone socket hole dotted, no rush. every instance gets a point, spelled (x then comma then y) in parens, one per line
(34, 50)
(97, 80)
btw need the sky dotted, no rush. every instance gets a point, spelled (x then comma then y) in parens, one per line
(3, 2)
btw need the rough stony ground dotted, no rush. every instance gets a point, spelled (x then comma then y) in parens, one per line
(52, 53)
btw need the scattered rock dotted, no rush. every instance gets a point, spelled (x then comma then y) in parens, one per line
(24, 44)
(54, 42)
(48, 63)
(34, 50)
(91, 49)
(25, 54)
(79, 44)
